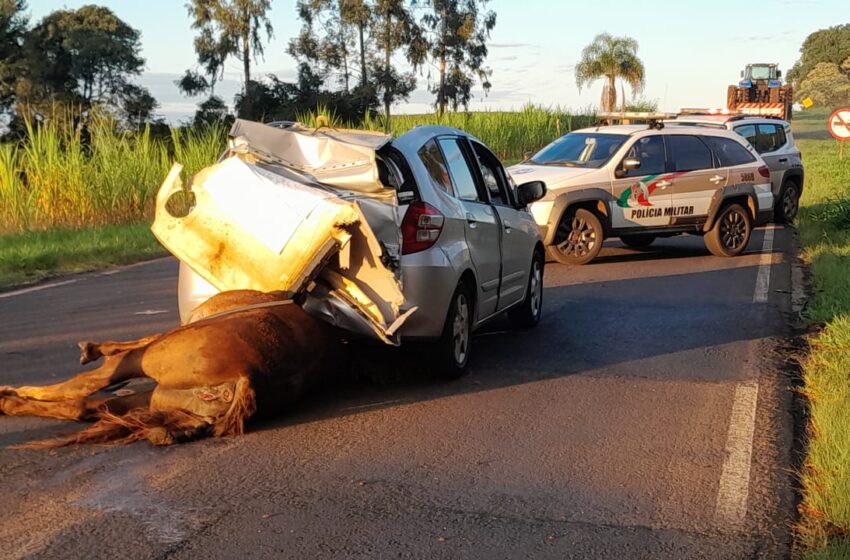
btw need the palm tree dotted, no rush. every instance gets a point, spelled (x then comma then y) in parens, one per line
(611, 58)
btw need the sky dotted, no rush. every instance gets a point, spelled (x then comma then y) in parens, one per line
(691, 50)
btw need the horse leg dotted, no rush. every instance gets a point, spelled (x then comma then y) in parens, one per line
(93, 351)
(14, 405)
(114, 369)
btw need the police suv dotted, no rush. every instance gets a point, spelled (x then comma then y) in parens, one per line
(641, 182)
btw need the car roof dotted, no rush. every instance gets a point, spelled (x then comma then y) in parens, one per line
(722, 120)
(643, 129)
(414, 138)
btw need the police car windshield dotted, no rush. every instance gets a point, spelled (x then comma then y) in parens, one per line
(580, 149)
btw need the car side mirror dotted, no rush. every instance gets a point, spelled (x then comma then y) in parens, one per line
(629, 164)
(530, 192)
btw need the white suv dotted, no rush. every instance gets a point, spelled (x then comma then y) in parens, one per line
(640, 182)
(774, 142)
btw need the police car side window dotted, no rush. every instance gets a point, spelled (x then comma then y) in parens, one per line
(728, 152)
(649, 150)
(748, 131)
(689, 153)
(770, 138)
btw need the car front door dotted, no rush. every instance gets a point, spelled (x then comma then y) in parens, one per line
(519, 234)
(482, 227)
(694, 176)
(642, 196)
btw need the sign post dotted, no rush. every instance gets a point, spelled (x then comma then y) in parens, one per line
(839, 127)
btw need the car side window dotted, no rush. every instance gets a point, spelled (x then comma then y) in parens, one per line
(649, 151)
(748, 131)
(689, 153)
(462, 178)
(432, 158)
(493, 174)
(728, 152)
(770, 138)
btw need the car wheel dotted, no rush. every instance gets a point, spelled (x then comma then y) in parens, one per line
(731, 232)
(454, 344)
(788, 203)
(528, 314)
(638, 241)
(578, 239)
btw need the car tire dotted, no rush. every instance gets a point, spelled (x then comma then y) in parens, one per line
(452, 352)
(528, 314)
(638, 241)
(731, 231)
(788, 203)
(578, 239)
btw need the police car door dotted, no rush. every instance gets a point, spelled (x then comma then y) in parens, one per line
(696, 176)
(642, 196)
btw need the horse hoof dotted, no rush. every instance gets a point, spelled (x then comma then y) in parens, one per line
(89, 352)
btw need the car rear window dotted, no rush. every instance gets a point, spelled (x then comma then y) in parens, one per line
(728, 152)
(432, 157)
(689, 153)
(765, 138)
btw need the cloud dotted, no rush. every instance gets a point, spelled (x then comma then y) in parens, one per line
(509, 45)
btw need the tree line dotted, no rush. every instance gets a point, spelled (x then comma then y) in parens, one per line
(354, 57)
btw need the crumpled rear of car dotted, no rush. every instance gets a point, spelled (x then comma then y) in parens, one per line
(295, 210)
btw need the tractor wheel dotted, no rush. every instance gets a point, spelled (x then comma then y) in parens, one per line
(732, 98)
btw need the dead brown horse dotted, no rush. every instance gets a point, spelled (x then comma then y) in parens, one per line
(245, 353)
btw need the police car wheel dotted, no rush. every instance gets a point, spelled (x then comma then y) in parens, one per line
(788, 203)
(638, 241)
(731, 232)
(578, 239)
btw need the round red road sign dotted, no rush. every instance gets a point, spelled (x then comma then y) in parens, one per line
(839, 124)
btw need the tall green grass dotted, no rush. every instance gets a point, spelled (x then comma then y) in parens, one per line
(824, 226)
(60, 176)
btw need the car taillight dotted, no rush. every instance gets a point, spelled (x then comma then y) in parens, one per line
(764, 171)
(420, 227)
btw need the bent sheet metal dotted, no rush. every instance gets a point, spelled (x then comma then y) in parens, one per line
(296, 211)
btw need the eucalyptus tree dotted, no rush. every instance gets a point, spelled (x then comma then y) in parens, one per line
(458, 31)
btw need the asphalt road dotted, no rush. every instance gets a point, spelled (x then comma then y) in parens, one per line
(648, 416)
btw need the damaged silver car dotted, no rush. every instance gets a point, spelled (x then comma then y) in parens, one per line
(421, 237)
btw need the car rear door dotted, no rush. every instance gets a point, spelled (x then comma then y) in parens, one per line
(482, 227)
(696, 176)
(519, 235)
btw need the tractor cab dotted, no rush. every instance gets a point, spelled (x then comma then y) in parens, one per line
(761, 75)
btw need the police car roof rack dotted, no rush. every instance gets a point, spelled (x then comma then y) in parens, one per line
(653, 119)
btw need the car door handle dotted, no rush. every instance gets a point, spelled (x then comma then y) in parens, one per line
(470, 219)
(783, 160)
(663, 184)
(507, 226)
(717, 179)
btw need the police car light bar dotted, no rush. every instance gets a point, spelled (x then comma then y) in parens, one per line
(708, 111)
(635, 115)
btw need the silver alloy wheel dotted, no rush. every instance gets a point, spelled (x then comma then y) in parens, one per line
(790, 201)
(460, 329)
(733, 230)
(535, 287)
(580, 240)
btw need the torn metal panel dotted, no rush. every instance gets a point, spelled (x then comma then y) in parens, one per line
(343, 159)
(254, 228)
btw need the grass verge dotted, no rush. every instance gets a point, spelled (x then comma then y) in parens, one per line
(824, 226)
(32, 256)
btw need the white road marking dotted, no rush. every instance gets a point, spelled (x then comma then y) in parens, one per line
(23, 291)
(735, 476)
(151, 312)
(763, 276)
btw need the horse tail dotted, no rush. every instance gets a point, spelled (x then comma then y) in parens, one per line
(243, 407)
(160, 427)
